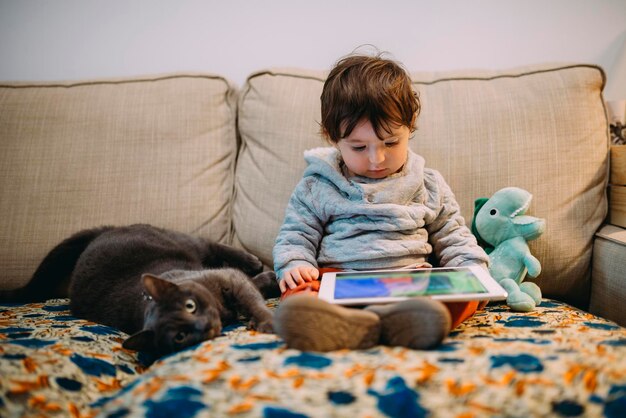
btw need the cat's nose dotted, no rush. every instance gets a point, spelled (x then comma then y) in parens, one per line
(212, 330)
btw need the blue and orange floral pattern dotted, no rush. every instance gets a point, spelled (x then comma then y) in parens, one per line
(52, 364)
(554, 361)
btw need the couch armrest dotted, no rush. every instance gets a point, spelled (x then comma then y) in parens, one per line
(608, 284)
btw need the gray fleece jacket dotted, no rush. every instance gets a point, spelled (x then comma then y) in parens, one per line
(359, 223)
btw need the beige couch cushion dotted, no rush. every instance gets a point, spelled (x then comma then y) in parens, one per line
(542, 128)
(158, 150)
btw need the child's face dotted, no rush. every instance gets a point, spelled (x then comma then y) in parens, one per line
(366, 155)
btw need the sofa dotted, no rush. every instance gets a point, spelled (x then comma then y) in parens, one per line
(195, 153)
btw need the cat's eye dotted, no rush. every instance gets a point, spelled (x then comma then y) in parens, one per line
(190, 306)
(180, 337)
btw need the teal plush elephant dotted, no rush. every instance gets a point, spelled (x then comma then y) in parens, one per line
(502, 229)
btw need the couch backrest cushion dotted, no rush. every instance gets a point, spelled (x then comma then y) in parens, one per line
(542, 128)
(157, 150)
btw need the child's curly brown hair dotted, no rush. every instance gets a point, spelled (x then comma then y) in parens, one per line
(367, 87)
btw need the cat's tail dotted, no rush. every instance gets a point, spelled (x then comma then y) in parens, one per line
(51, 279)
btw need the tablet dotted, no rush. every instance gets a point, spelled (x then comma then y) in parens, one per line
(447, 284)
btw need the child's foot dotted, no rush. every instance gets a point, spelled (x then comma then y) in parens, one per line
(419, 323)
(307, 323)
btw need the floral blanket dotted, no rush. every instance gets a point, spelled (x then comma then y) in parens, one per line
(554, 361)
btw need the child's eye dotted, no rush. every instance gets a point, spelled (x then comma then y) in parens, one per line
(358, 149)
(391, 144)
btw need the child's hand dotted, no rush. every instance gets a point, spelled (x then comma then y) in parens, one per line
(296, 276)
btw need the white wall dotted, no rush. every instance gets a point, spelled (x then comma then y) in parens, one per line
(74, 39)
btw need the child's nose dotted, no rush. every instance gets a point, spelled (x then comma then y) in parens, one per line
(377, 155)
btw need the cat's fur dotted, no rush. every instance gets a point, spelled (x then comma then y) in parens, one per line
(170, 290)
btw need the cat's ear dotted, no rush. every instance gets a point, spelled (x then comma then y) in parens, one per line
(156, 286)
(140, 341)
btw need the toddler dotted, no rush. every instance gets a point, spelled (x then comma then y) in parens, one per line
(368, 202)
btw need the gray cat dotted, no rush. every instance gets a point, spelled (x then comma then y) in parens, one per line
(168, 289)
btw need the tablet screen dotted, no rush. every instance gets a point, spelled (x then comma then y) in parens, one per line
(406, 284)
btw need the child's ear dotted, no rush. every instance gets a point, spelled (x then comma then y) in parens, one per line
(326, 137)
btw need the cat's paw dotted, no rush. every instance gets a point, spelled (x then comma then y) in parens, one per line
(267, 284)
(264, 326)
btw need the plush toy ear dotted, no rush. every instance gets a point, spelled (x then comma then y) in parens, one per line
(478, 204)
(156, 286)
(140, 341)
